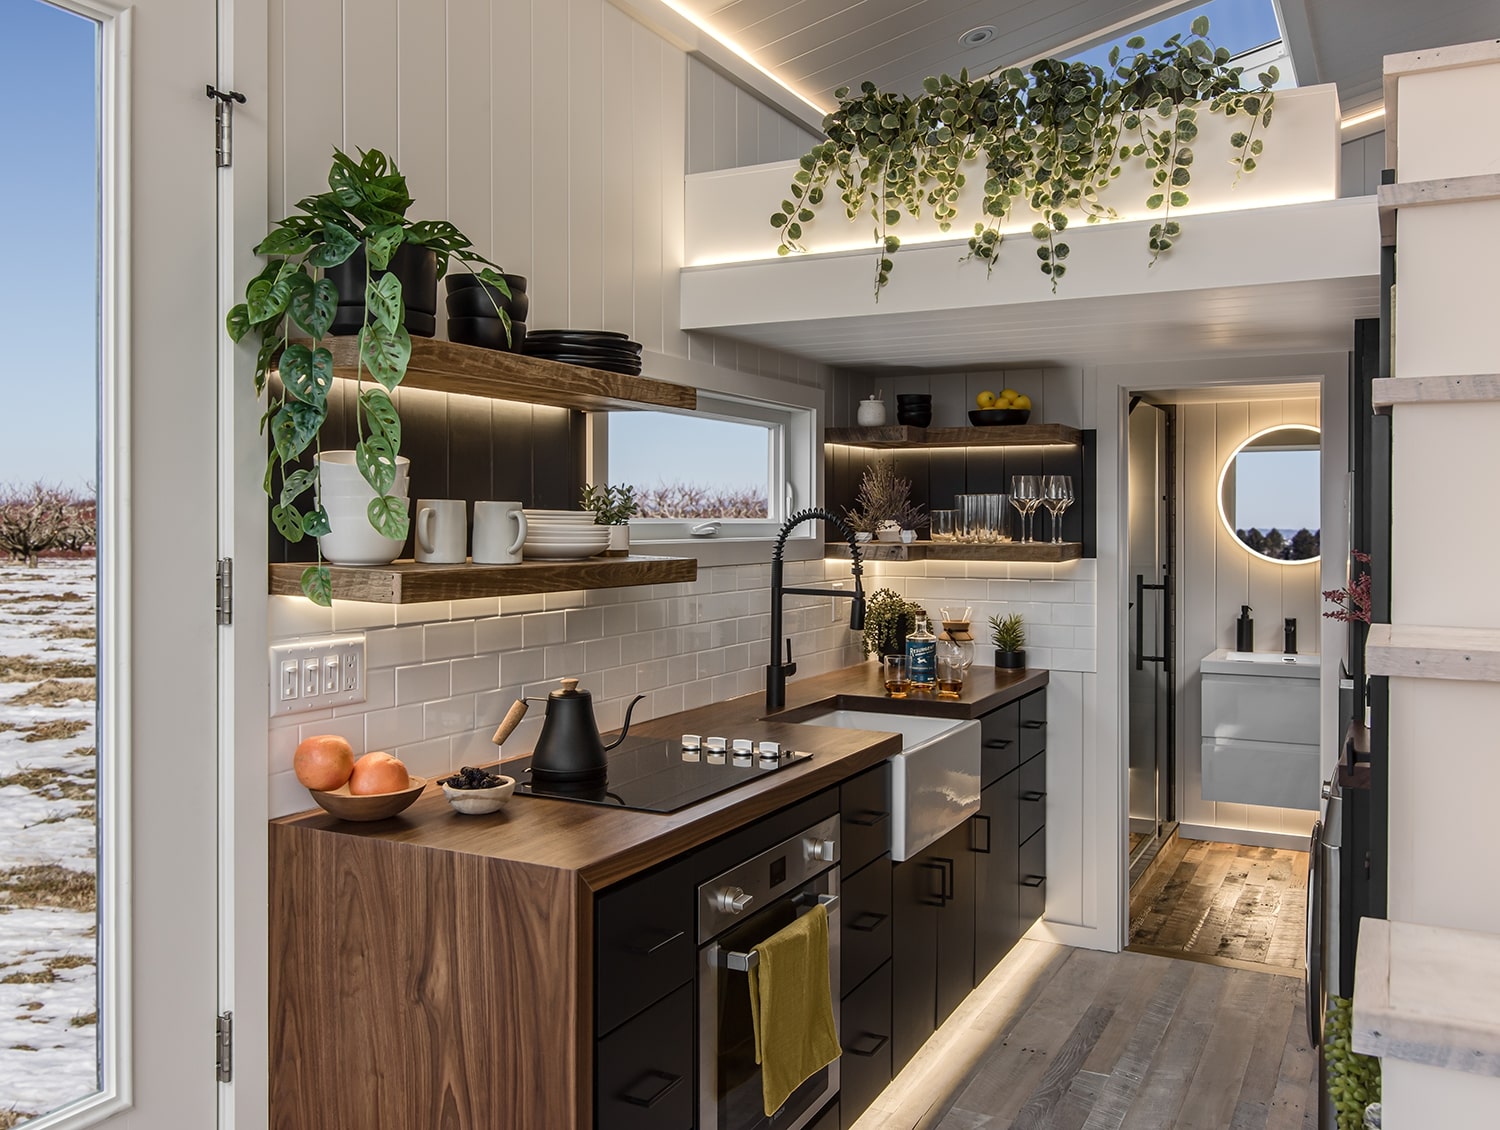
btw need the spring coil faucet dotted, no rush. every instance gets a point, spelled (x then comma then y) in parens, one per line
(778, 670)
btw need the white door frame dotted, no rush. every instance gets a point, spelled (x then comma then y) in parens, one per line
(244, 987)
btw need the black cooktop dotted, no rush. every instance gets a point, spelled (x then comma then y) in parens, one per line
(658, 775)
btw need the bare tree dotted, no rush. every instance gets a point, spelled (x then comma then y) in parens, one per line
(39, 517)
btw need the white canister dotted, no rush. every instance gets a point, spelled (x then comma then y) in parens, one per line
(871, 413)
(499, 533)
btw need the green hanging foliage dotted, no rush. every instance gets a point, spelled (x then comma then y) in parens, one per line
(1052, 136)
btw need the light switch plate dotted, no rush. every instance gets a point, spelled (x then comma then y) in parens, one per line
(317, 674)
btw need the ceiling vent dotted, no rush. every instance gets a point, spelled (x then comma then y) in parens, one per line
(977, 35)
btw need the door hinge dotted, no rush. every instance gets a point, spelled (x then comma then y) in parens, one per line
(224, 1047)
(224, 591)
(224, 101)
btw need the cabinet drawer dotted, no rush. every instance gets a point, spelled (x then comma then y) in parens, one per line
(645, 946)
(1033, 724)
(999, 743)
(1033, 876)
(865, 1067)
(866, 916)
(1031, 785)
(645, 1069)
(865, 817)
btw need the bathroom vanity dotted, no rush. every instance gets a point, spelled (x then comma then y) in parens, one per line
(1260, 728)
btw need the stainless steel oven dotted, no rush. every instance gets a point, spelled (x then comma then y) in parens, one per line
(737, 910)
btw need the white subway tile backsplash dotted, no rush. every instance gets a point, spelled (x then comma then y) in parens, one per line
(289, 616)
(476, 673)
(356, 615)
(601, 655)
(538, 629)
(526, 602)
(427, 612)
(503, 633)
(561, 601)
(473, 608)
(1076, 615)
(423, 683)
(448, 641)
(474, 748)
(635, 648)
(650, 676)
(564, 660)
(387, 729)
(1056, 592)
(619, 620)
(392, 647)
(584, 624)
(449, 716)
(352, 730)
(432, 758)
(286, 794)
(524, 666)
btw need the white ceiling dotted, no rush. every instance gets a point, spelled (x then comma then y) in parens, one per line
(815, 46)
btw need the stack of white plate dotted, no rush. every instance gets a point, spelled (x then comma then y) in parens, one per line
(563, 535)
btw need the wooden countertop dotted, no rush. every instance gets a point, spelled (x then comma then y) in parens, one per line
(605, 845)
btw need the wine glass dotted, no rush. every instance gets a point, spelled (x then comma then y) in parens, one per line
(1025, 495)
(1057, 494)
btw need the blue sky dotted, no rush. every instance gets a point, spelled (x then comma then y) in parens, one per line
(648, 448)
(1276, 490)
(1240, 25)
(49, 289)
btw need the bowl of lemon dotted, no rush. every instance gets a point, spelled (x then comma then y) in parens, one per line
(1005, 407)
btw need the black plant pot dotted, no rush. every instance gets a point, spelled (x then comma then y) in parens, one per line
(1010, 660)
(415, 266)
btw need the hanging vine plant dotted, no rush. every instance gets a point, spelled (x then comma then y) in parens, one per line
(1053, 136)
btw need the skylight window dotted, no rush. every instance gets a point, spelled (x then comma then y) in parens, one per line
(1249, 28)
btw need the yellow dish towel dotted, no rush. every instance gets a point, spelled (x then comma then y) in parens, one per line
(792, 1007)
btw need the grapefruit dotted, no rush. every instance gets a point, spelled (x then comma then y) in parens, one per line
(378, 772)
(323, 762)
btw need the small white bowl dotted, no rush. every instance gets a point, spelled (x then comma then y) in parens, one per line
(476, 802)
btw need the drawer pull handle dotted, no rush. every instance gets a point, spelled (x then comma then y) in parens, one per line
(1033, 880)
(1034, 796)
(645, 951)
(667, 1082)
(974, 837)
(997, 743)
(1035, 724)
(872, 919)
(880, 1042)
(868, 818)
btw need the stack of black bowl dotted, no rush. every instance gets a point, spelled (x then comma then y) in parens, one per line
(596, 349)
(914, 409)
(474, 311)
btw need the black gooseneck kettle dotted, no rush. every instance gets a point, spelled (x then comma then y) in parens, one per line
(570, 748)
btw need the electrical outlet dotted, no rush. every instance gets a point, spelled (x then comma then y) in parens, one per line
(317, 674)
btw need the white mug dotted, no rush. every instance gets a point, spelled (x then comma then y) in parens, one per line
(442, 531)
(494, 544)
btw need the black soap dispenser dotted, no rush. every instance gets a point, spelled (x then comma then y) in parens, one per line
(1244, 630)
(1290, 630)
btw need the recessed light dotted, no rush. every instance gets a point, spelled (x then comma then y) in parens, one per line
(976, 35)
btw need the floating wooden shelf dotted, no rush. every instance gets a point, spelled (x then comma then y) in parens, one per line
(1424, 193)
(1419, 652)
(1386, 391)
(1037, 551)
(445, 366)
(406, 582)
(901, 435)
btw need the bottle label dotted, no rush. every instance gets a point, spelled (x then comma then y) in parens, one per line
(921, 660)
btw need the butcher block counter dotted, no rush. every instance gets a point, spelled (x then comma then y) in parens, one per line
(435, 971)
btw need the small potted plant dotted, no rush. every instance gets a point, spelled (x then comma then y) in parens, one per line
(613, 506)
(883, 507)
(363, 211)
(1009, 635)
(888, 618)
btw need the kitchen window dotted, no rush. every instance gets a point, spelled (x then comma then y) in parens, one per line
(731, 471)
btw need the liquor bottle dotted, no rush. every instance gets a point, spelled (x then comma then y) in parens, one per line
(921, 656)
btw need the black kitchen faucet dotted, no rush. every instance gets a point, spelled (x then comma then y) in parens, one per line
(779, 670)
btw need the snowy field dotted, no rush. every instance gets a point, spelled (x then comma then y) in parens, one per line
(48, 975)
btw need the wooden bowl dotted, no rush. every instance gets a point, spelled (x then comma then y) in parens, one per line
(476, 802)
(345, 805)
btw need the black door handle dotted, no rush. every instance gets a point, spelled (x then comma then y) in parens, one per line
(947, 867)
(1033, 880)
(1035, 724)
(665, 1084)
(868, 819)
(997, 743)
(973, 828)
(1033, 795)
(874, 920)
(880, 1042)
(928, 865)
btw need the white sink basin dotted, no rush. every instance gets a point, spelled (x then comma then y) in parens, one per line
(934, 779)
(1261, 663)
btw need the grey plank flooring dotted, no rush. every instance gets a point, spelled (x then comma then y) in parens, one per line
(1081, 1040)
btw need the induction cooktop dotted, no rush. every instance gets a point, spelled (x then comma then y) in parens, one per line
(663, 775)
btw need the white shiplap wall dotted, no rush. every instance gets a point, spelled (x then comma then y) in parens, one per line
(552, 132)
(1215, 577)
(728, 127)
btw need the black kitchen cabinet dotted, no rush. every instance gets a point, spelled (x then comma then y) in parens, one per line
(865, 817)
(865, 918)
(997, 861)
(932, 906)
(865, 1036)
(645, 1069)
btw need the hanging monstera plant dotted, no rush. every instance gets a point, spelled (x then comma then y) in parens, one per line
(364, 209)
(1052, 137)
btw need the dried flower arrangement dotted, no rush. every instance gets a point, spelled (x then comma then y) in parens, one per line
(1354, 601)
(884, 497)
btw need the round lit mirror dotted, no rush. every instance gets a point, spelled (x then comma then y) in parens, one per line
(1269, 493)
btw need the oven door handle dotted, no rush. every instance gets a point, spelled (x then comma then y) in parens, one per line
(739, 962)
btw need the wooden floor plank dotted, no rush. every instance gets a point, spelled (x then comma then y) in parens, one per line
(1215, 1090)
(1144, 984)
(1171, 1069)
(1294, 1098)
(1119, 1094)
(1041, 1105)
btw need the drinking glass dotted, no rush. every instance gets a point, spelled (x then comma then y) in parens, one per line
(893, 668)
(1057, 494)
(999, 511)
(950, 675)
(1025, 495)
(943, 524)
(975, 517)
